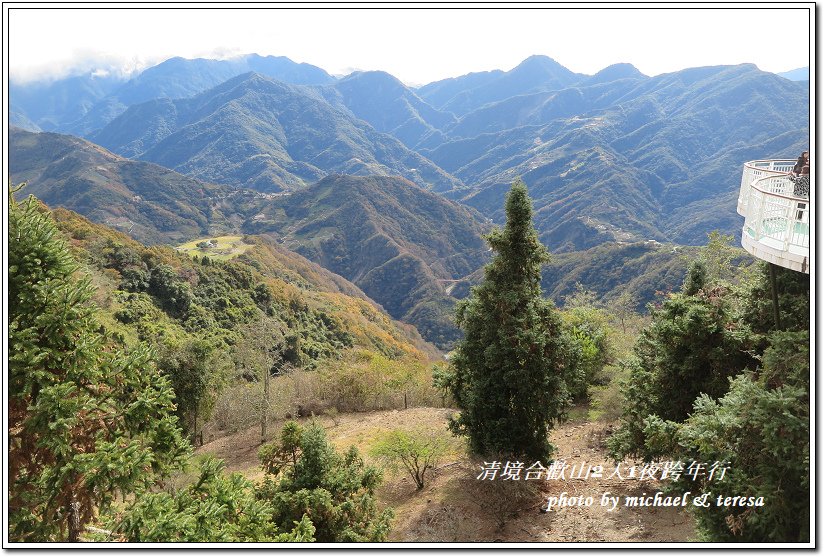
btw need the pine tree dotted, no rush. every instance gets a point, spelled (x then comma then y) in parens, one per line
(695, 343)
(507, 374)
(86, 421)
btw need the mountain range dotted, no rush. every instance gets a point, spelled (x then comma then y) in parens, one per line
(614, 156)
(255, 132)
(392, 186)
(404, 246)
(82, 104)
(634, 158)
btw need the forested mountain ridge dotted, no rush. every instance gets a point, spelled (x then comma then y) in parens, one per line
(411, 250)
(613, 159)
(404, 246)
(581, 315)
(389, 106)
(613, 156)
(262, 134)
(154, 204)
(638, 157)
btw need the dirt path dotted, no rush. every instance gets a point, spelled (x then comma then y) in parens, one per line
(456, 507)
(583, 444)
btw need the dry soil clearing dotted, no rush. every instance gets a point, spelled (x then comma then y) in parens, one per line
(221, 248)
(457, 507)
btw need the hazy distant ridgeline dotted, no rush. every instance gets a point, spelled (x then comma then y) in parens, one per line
(82, 104)
(633, 158)
(404, 246)
(411, 250)
(613, 156)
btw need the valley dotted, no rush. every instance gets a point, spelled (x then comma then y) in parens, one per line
(612, 160)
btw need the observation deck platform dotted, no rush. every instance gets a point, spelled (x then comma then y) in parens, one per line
(776, 220)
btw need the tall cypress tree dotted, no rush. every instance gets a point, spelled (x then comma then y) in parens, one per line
(86, 421)
(507, 375)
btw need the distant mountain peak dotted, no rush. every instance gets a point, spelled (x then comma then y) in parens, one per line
(539, 62)
(255, 56)
(621, 70)
(624, 68)
(538, 59)
(373, 75)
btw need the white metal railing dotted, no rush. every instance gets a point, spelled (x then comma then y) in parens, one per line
(773, 214)
(755, 170)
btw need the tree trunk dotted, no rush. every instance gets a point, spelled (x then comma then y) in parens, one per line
(265, 414)
(194, 429)
(74, 520)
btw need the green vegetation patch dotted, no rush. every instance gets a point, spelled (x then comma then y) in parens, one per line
(221, 248)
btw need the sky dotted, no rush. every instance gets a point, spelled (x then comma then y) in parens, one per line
(413, 42)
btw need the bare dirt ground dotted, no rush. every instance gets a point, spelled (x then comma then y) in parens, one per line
(454, 506)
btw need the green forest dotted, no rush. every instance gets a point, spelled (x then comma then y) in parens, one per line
(129, 365)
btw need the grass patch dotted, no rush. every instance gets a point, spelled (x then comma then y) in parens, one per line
(220, 248)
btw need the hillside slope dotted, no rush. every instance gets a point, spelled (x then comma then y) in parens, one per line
(139, 290)
(389, 106)
(151, 203)
(402, 245)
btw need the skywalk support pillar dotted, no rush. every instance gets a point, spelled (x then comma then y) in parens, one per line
(776, 314)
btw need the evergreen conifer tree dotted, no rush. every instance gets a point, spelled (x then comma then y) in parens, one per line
(86, 421)
(695, 343)
(507, 374)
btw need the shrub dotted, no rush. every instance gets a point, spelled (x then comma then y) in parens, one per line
(693, 345)
(416, 451)
(215, 508)
(336, 492)
(590, 349)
